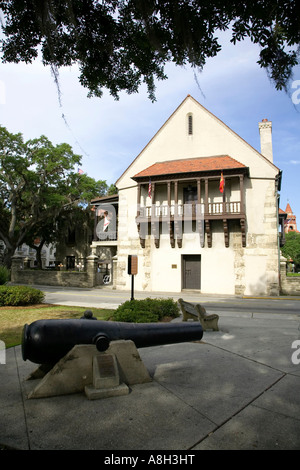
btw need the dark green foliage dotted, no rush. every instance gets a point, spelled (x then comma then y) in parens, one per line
(39, 186)
(4, 275)
(20, 295)
(118, 44)
(291, 249)
(146, 310)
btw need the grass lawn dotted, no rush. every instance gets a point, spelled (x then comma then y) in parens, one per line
(12, 319)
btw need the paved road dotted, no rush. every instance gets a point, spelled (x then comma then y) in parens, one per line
(109, 298)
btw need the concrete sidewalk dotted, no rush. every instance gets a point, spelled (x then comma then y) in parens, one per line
(236, 389)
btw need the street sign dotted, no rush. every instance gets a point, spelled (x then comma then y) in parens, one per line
(132, 264)
(132, 270)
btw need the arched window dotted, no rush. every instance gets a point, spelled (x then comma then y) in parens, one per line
(190, 124)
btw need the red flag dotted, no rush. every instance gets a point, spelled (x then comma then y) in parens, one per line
(222, 183)
(150, 189)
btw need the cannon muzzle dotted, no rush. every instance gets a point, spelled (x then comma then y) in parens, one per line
(47, 341)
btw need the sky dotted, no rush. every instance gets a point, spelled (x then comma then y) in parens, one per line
(109, 134)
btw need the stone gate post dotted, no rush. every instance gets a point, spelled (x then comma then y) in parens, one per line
(91, 269)
(16, 266)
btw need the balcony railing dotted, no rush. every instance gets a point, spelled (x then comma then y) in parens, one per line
(106, 236)
(233, 207)
(215, 210)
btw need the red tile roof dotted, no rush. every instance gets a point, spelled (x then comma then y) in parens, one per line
(189, 165)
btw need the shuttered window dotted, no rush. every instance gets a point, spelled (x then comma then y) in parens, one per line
(190, 124)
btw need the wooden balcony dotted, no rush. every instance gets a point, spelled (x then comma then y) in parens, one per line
(214, 211)
(203, 214)
(190, 189)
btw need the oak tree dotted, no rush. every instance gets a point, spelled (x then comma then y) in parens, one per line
(291, 248)
(38, 184)
(118, 44)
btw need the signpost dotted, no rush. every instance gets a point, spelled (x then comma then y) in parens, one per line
(132, 270)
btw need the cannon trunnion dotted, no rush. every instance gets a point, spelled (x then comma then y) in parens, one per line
(47, 341)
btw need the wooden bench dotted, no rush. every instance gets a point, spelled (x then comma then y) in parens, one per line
(198, 313)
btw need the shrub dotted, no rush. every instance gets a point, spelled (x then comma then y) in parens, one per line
(146, 310)
(4, 275)
(20, 295)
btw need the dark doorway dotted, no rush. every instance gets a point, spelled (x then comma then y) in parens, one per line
(70, 262)
(190, 194)
(191, 272)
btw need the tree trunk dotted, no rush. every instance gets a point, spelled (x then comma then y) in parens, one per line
(38, 255)
(38, 250)
(8, 254)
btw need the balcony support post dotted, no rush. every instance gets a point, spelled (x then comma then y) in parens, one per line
(226, 233)
(169, 221)
(154, 218)
(206, 197)
(208, 233)
(138, 199)
(138, 214)
(177, 217)
(242, 198)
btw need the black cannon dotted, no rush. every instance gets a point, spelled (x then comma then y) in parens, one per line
(47, 341)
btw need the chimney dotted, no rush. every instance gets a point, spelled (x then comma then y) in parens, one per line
(265, 131)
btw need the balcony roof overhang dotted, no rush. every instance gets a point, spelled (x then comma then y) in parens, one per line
(191, 168)
(114, 199)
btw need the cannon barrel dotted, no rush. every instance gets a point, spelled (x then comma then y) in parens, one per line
(47, 341)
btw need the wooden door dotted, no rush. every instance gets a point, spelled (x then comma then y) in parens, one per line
(191, 271)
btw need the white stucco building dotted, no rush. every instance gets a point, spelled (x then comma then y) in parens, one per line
(188, 234)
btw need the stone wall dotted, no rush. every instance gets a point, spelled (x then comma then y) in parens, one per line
(50, 278)
(88, 278)
(289, 285)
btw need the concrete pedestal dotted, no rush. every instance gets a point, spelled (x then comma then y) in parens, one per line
(106, 378)
(99, 375)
